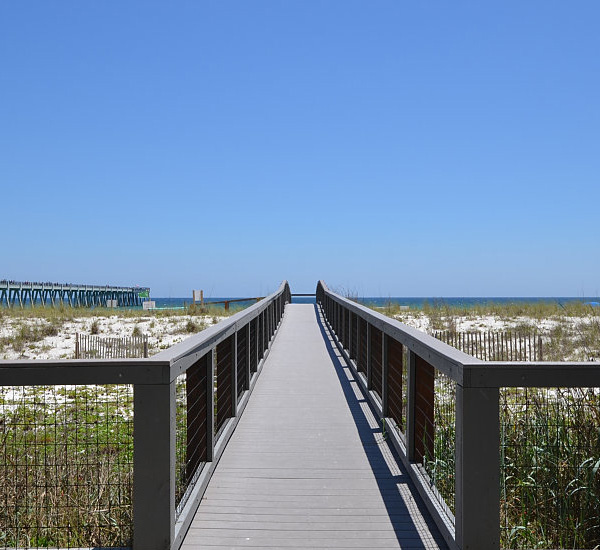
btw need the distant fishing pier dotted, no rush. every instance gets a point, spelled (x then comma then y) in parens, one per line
(14, 293)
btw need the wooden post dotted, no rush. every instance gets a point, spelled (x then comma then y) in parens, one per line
(357, 344)
(154, 466)
(77, 346)
(210, 406)
(477, 468)
(384, 374)
(369, 351)
(256, 333)
(248, 357)
(424, 410)
(196, 393)
(410, 407)
(234, 375)
(350, 335)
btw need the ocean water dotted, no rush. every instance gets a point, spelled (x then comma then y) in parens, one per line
(467, 302)
(378, 301)
(179, 303)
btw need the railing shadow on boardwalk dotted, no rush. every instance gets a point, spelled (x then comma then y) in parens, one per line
(388, 482)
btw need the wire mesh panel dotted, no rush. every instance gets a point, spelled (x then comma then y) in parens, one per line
(396, 385)
(550, 467)
(191, 427)
(441, 466)
(224, 379)
(435, 426)
(66, 466)
(242, 358)
(181, 435)
(376, 372)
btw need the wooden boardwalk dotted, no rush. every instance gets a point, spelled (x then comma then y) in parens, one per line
(307, 466)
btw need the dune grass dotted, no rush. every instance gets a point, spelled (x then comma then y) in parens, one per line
(62, 313)
(570, 331)
(67, 456)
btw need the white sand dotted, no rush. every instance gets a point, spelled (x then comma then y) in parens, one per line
(484, 323)
(162, 333)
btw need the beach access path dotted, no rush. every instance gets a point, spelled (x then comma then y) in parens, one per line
(308, 466)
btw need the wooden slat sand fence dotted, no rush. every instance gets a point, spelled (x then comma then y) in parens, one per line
(95, 347)
(495, 346)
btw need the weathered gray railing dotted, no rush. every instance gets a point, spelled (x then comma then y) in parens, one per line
(186, 403)
(420, 387)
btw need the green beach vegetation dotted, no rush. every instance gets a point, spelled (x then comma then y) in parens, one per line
(67, 455)
(549, 464)
(570, 332)
(49, 333)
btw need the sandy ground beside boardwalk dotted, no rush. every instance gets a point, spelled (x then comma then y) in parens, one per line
(162, 332)
(480, 323)
(565, 337)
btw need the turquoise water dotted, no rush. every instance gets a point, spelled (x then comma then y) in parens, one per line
(179, 303)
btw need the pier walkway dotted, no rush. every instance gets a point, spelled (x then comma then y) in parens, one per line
(308, 466)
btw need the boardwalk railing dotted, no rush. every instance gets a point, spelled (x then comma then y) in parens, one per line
(500, 451)
(118, 452)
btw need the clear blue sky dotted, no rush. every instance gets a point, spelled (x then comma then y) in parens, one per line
(390, 147)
